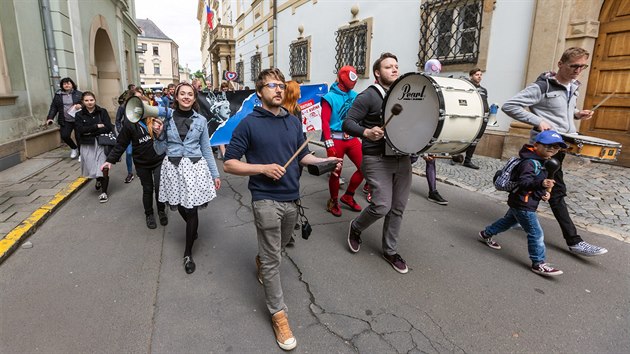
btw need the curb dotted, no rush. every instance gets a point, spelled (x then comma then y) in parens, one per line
(28, 227)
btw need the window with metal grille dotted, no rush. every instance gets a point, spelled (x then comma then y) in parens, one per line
(255, 62)
(450, 31)
(239, 72)
(353, 43)
(141, 67)
(299, 58)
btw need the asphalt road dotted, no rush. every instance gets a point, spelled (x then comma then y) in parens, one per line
(97, 280)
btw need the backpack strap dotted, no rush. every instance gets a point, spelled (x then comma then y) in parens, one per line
(380, 89)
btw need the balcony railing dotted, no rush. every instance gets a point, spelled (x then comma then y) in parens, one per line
(222, 33)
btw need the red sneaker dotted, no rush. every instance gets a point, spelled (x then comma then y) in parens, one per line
(369, 197)
(349, 201)
(333, 207)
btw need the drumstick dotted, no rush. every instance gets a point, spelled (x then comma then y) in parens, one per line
(602, 102)
(396, 109)
(296, 153)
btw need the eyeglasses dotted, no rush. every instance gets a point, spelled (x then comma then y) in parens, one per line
(578, 66)
(552, 146)
(273, 85)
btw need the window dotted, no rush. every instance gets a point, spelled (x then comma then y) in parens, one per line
(141, 68)
(6, 93)
(144, 47)
(299, 58)
(156, 69)
(156, 50)
(255, 62)
(353, 46)
(450, 31)
(239, 72)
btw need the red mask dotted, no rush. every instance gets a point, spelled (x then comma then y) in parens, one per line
(347, 78)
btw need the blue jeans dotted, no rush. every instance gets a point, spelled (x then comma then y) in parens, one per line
(529, 222)
(129, 160)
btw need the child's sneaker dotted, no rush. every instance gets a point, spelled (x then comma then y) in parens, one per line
(488, 241)
(545, 269)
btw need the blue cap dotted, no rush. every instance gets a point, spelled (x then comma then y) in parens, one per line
(550, 137)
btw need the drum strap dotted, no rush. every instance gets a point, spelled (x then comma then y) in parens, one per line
(380, 89)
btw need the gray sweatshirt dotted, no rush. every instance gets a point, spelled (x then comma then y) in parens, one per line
(546, 100)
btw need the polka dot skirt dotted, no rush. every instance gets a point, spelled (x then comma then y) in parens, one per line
(189, 184)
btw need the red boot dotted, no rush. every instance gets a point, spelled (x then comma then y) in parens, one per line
(348, 200)
(333, 207)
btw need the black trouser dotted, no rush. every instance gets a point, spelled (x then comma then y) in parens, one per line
(65, 131)
(469, 153)
(559, 206)
(150, 180)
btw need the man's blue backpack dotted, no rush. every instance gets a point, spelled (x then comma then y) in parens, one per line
(503, 180)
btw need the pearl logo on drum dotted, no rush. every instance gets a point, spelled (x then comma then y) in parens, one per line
(408, 95)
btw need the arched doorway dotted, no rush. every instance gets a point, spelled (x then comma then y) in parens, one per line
(105, 71)
(610, 74)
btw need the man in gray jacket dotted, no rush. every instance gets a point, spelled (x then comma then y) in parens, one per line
(551, 101)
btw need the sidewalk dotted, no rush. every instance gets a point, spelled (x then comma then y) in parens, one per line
(599, 194)
(31, 191)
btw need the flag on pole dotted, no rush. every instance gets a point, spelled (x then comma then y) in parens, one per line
(210, 16)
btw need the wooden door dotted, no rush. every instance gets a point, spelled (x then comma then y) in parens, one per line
(610, 73)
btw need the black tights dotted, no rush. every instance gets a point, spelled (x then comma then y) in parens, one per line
(191, 217)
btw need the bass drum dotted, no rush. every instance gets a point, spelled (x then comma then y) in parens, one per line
(440, 115)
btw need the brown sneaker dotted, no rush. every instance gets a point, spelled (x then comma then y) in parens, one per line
(258, 275)
(284, 336)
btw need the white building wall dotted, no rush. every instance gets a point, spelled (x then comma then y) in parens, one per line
(395, 27)
(508, 50)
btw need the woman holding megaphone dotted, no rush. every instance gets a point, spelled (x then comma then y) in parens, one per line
(189, 174)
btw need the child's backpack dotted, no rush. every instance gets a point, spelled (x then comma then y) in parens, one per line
(503, 178)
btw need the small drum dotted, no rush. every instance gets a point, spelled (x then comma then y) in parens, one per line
(440, 115)
(591, 147)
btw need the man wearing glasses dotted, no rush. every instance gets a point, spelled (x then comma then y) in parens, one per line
(268, 138)
(551, 101)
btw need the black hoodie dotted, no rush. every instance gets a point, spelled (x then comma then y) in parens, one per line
(530, 174)
(265, 139)
(144, 155)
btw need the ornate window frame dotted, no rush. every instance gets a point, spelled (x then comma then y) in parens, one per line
(256, 66)
(353, 46)
(300, 59)
(451, 31)
(240, 71)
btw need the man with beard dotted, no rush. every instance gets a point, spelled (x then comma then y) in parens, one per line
(268, 137)
(389, 177)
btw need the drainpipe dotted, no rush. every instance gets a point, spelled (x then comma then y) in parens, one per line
(51, 49)
(275, 33)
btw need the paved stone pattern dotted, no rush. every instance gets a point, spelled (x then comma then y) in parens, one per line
(19, 200)
(598, 193)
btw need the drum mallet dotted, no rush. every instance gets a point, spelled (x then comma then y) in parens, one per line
(296, 153)
(552, 165)
(396, 109)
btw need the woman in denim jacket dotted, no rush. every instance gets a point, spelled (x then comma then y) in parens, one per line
(189, 175)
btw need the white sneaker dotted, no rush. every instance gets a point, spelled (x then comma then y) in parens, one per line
(74, 153)
(103, 198)
(79, 159)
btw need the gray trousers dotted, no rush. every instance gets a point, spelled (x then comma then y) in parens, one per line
(389, 178)
(274, 228)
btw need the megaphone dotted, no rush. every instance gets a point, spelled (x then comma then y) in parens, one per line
(136, 110)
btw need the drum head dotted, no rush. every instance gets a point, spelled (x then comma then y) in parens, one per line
(411, 130)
